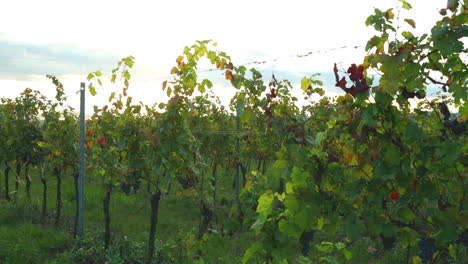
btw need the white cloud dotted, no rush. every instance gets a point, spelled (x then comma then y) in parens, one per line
(155, 32)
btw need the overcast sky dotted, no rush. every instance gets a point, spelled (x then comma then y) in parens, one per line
(69, 39)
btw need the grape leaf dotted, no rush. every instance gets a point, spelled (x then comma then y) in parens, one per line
(352, 227)
(355, 72)
(405, 4)
(92, 90)
(410, 22)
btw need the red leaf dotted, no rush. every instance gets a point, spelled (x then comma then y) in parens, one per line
(89, 133)
(229, 76)
(355, 72)
(394, 195)
(335, 70)
(89, 144)
(352, 90)
(102, 140)
(415, 187)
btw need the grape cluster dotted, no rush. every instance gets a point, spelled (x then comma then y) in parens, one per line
(426, 249)
(126, 187)
(463, 239)
(305, 239)
(388, 242)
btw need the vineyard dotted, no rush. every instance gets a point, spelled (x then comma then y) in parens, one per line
(376, 175)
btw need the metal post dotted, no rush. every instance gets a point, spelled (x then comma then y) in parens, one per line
(236, 179)
(82, 162)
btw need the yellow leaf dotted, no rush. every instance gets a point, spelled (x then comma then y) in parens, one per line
(350, 158)
(411, 22)
(367, 171)
(417, 260)
(320, 223)
(248, 185)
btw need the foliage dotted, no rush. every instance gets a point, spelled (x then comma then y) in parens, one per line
(366, 165)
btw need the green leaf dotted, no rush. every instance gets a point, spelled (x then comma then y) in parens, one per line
(389, 230)
(168, 91)
(348, 255)
(299, 177)
(352, 227)
(340, 245)
(90, 76)
(391, 69)
(291, 203)
(389, 14)
(330, 259)
(129, 101)
(411, 70)
(98, 73)
(449, 151)
(459, 92)
(405, 4)
(211, 56)
(126, 74)
(92, 90)
(304, 260)
(320, 223)
(281, 164)
(384, 172)
(250, 252)
(407, 237)
(320, 91)
(413, 131)
(326, 247)
(447, 45)
(320, 137)
(42, 144)
(447, 234)
(406, 215)
(129, 61)
(392, 154)
(289, 228)
(368, 116)
(265, 205)
(305, 83)
(407, 34)
(245, 118)
(383, 98)
(373, 225)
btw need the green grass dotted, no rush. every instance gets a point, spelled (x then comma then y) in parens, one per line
(130, 213)
(27, 238)
(24, 240)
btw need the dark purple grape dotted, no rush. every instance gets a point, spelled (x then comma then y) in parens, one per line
(125, 188)
(463, 239)
(388, 242)
(426, 249)
(306, 238)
